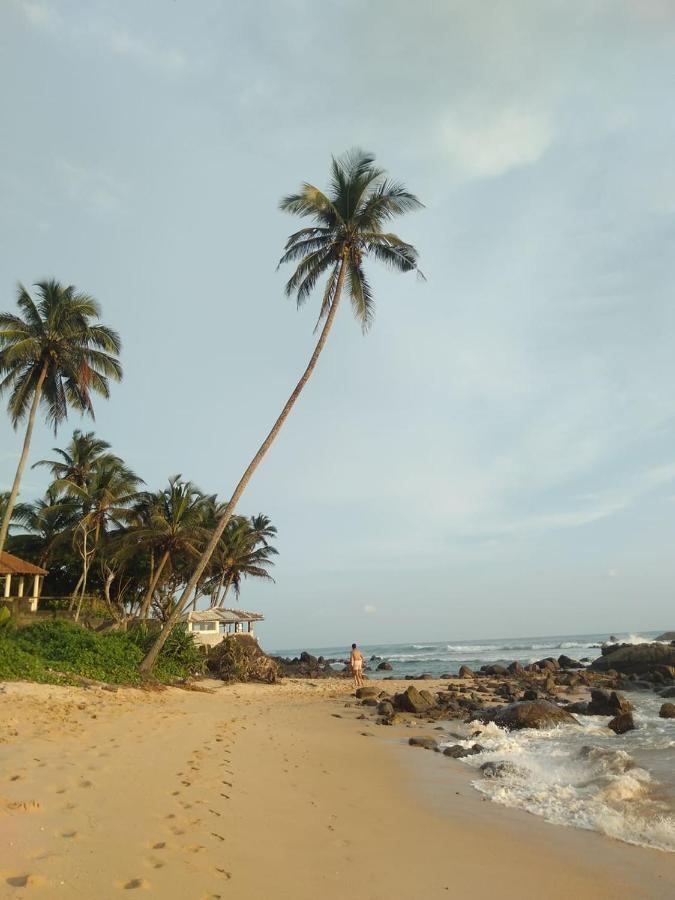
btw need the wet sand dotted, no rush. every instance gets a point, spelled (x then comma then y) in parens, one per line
(254, 791)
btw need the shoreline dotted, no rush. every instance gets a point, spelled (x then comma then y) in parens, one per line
(256, 789)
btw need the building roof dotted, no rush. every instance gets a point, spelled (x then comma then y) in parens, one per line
(229, 616)
(12, 565)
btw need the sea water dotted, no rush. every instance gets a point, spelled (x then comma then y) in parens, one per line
(582, 775)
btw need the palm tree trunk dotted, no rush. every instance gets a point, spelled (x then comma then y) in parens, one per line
(73, 596)
(14, 493)
(221, 600)
(85, 572)
(215, 598)
(149, 661)
(147, 600)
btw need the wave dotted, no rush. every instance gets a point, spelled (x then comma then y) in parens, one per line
(576, 776)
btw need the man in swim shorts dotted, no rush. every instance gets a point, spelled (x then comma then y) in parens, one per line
(356, 663)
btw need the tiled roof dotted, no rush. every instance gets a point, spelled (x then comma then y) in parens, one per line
(12, 565)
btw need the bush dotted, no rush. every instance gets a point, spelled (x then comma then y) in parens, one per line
(241, 659)
(63, 646)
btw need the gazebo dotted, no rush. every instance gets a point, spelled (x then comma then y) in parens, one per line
(16, 573)
(211, 626)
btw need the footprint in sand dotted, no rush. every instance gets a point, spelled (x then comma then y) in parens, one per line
(69, 834)
(20, 881)
(134, 884)
(160, 845)
(86, 784)
(224, 872)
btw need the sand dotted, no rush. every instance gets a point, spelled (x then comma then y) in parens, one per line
(256, 791)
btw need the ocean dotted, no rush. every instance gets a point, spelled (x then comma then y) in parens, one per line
(583, 776)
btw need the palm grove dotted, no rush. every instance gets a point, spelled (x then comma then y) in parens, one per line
(106, 541)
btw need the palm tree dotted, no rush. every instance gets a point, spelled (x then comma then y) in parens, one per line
(243, 552)
(47, 524)
(348, 226)
(106, 499)
(172, 524)
(54, 354)
(77, 462)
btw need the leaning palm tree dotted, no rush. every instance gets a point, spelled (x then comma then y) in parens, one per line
(46, 524)
(55, 354)
(348, 226)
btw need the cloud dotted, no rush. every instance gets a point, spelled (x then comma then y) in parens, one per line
(99, 191)
(100, 29)
(500, 140)
(369, 609)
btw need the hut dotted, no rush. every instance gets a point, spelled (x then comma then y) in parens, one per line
(22, 583)
(211, 626)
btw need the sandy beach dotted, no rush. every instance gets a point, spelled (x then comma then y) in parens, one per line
(254, 790)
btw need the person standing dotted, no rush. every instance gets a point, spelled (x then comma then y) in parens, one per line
(356, 663)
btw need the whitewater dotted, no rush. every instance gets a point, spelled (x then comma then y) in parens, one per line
(576, 775)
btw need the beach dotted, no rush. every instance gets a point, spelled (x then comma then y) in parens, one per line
(255, 790)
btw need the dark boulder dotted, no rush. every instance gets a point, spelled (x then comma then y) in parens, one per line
(566, 662)
(667, 711)
(456, 751)
(386, 708)
(370, 701)
(622, 723)
(466, 672)
(530, 694)
(385, 667)
(549, 664)
(424, 742)
(666, 636)
(668, 693)
(605, 704)
(494, 669)
(635, 658)
(527, 714)
(499, 769)
(579, 708)
(515, 668)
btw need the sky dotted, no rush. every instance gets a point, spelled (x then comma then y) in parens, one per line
(497, 456)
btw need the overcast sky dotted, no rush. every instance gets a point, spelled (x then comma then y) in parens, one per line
(497, 457)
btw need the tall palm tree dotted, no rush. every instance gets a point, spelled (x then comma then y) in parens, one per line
(172, 524)
(77, 461)
(347, 227)
(53, 353)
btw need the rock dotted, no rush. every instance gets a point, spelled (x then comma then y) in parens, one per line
(370, 701)
(363, 692)
(666, 636)
(635, 658)
(425, 676)
(456, 751)
(550, 685)
(530, 694)
(497, 769)
(412, 700)
(667, 711)
(466, 672)
(605, 704)
(494, 670)
(428, 697)
(385, 667)
(669, 692)
(306, 657)
(527, 714)
(579, 708)
(566, 662)
(622, 723)
(424, 742)
(515, 668)
(547, 665)
(386, 708)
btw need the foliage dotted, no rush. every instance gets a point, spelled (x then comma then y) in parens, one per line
(241, 659)
(68, 649)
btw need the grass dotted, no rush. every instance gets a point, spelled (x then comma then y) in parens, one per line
(59, 651)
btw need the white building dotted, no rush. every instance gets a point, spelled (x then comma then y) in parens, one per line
(211, 626)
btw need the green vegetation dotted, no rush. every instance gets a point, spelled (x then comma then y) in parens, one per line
(59, 651)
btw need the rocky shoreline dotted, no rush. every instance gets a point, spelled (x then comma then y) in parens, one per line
(540, 695)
